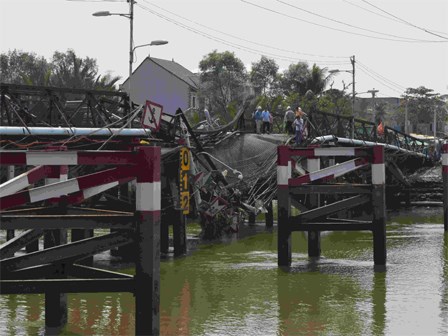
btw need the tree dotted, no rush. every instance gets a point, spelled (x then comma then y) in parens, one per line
(64, 70)
(19, 67)
(422, 103)
(295, 78)
(223, 80)
(263, 75)
(317, 80)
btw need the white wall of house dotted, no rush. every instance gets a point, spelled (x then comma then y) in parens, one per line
(151, 82)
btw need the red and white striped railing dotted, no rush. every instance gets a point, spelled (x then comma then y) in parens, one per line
(143, 165)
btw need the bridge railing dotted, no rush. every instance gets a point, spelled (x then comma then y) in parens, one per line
(324, 123)
(59, 268)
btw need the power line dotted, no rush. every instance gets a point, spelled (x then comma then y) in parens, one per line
(336, 29)
(398, 86)
(241, 39)
(231, 44)
(379, 81)
(350, 25)
(404, 21)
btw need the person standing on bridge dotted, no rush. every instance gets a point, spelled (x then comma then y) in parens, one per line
(288, 120)
(298, 126)
(258, 119)
(266, 116)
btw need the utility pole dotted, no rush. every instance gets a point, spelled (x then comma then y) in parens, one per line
(373, 92)
(406, 117)
(352, 131)
(131, 52)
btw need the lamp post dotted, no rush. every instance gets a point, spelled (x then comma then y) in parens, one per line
(352, 60)
(130, 16)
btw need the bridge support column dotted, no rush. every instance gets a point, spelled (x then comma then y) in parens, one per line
(56, 302)
(10, 172)
(379, 206)
(147, 268)
(179, 233)
(445, 185)
(314, 236)
(269, 218)
(284, 207)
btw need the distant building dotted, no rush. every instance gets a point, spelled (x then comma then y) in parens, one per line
(164, 82)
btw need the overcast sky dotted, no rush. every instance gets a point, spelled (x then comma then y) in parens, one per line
(397, 43)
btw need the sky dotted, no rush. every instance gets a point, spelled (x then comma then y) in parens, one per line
(397, 44)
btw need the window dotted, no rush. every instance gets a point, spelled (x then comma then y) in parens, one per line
(193, 103)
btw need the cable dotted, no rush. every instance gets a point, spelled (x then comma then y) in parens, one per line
(379, 81)
(234, 45)
(406, 22)
(336, 29)
(239, 38)
(378, 14)
(400, 87)
(349, 25)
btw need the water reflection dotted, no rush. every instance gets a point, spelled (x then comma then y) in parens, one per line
(237, 289)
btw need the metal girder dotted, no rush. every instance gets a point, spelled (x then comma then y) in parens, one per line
(331, 188)
(66, 286)
(330, 227)
(35, 272)
(332, 208)
(87, 272)
(8, 222)
(11, 246)
(72, 251)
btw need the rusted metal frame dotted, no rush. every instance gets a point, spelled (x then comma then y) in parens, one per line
(18, 106)
(38, 90)
(30, 273)
(67, 286)
(87, 272)
(91, 99)
(20, 118)
(90, 111)
(78, 108)
(59, 107)
(331, 188)
(101, 109)
(21, 222)
(17, 243)
(4, 108)
(332, 208)
(325, 226)
(77, 250)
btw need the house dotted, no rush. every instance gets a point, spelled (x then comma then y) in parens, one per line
(164, 82)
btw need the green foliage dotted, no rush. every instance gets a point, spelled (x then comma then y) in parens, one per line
(64, 70)
(264, 75)
(232, 109)
(223, 77)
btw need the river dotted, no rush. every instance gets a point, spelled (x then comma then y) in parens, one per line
(236, 288)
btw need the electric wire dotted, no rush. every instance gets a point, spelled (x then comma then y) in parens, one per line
(350, 25)
(235, 45)
(383, 16)
(337, 29)
(404, 21)
(398, 86)
(239, 38)
(379, 80)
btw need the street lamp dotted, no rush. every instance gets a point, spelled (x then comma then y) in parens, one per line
(352, 60)
(130, 16)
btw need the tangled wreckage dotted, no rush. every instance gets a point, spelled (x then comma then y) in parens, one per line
(221, 174)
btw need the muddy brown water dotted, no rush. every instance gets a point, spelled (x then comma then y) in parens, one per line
(236, 288)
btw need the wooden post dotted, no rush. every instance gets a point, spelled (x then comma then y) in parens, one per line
(179, 233)
(314, 236)
(251, 219)
(269, 218)
(147, 268)
(10, 172)
(55, 301)
(379, 205)
(445, 185)
(284, 206)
